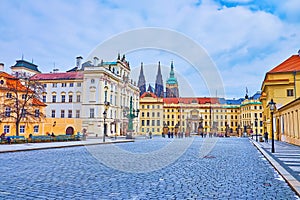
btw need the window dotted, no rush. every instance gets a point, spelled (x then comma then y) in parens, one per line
(24, 96)
(37, 113)
(78, 98)
(77, 113)
(70, 98)
(153, 123)
(63, 84)
(69, 113)
(22, 129)
(92, 112)
(6, 128)
(153, 114)
(8, 95)
(158, 114)
(148, 106)
(63, 98)
(53, 98)
(54, 85)
(53, 113)
(7, 112)
(71, 84)
(290, 92)
(92, 81)
(36, 129)
(143, 114)
(23, 112)
(148, 114)
(148, 122)
(44, 98)
(45, 85)
(143, 122)
(157, 122)
(62, 113)
(78, 84)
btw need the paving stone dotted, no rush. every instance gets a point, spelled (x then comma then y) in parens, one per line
(234, 169)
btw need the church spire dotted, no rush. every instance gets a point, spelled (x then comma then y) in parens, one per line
(172, 84)
(142, 81)
(159, 85)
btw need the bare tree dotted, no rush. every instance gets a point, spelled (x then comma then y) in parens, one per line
(21, 101)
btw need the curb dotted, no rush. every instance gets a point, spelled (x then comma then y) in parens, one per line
(63, 146)
(290, 179)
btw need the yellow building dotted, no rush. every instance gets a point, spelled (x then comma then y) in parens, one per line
(286, 122)
(31, 114)
(251, 115)
(151, 114)
(282, 85)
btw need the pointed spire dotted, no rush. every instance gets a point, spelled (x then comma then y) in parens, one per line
(142, 81)
(159, 85)
(150, 89)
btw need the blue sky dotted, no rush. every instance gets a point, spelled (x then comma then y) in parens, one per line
(244, 38)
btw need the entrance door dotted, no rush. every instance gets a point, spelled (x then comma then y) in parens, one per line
(70, 131)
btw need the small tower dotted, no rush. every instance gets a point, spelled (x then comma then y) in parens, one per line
(142, 81)
(159, 85)
(172, 84)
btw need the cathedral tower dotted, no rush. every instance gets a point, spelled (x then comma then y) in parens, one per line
(142, 81)
(159, 85)
(172, 84)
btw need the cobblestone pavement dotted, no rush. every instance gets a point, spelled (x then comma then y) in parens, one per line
(287, 155)
(234, 169)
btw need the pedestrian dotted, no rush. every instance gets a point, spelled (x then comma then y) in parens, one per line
(150, 135)
(266, 135)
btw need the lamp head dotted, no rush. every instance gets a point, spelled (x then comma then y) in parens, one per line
(272, 105)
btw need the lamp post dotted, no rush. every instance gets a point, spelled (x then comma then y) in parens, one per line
(106, 106)
(131, 115)
(200, 127)
(256, 128)
(272, 106)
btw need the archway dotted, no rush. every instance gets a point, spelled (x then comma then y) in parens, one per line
(70, 131)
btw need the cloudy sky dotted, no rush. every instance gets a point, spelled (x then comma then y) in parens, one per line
(243, 38)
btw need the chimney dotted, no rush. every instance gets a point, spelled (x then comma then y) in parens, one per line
(96, 61)
(78, 61)
(299, 52)
(1, 67)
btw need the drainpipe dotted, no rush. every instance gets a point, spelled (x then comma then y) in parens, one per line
(294, 73)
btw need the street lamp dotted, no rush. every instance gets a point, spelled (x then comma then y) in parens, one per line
(200, 127)
(130, 116)
(106, 106)
(272, 106)
(256, 127)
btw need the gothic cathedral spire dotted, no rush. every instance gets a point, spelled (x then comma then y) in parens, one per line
(159, 85)
(142, 81)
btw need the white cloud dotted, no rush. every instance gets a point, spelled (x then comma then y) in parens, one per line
(243, 43)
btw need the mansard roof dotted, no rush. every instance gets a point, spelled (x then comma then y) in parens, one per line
(26, 64)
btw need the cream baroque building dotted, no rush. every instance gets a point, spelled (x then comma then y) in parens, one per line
(76, 99)
(108, 82)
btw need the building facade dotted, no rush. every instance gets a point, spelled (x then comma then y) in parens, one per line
(282, 85)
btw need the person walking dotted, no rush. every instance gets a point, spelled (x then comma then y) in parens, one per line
(266, 135)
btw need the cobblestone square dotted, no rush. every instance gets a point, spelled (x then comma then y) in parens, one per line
(233, 169)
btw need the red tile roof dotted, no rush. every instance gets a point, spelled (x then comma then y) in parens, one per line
(6, 75)
(289, 65)
(37, 102)
(58, 76)
(189, 100)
